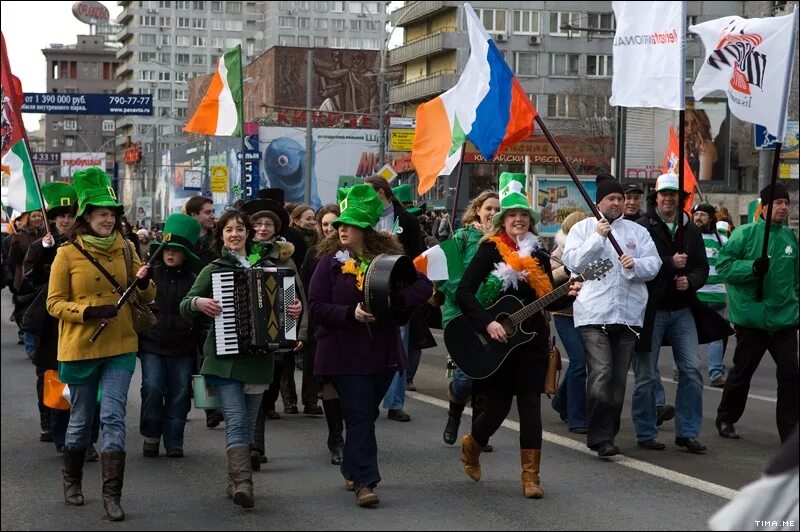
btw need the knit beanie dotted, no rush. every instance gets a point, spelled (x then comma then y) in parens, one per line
(780, 193)
(607, 184)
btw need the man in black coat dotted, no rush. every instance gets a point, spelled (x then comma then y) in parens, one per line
(669, 317)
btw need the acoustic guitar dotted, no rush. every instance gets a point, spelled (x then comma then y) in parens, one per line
(474, 351)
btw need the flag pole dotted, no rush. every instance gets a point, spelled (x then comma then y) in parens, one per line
(575, 179)
(777, 155)
(241, 117)
(681, 133)
(458, 186)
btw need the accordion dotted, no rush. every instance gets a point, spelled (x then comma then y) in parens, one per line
(254, 318)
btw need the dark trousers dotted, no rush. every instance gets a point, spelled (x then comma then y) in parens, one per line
(361, 397)
(608, 355)
(288, 386)
(166, 397)
(310, 388)
(750, 347)
(493, 408)
(274, 389)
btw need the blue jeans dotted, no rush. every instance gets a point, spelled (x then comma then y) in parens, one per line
(461, 385)
(395, 396)
(239, 410)
(570, 399)
(678, 327)
(716, 350)
(166, 397)
(361, 397)
(115, 383)
(30, 343)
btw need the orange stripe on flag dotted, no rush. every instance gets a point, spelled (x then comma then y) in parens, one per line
(421, 264)
(520, 121)
(689, 180)
(431, 143)
(205, 118)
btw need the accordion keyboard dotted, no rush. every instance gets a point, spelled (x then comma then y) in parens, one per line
(224, 291)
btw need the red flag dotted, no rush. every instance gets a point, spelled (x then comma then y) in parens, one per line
(670, 166)
(12, 126)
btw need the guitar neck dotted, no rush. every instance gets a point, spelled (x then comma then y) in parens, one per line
(537, 306)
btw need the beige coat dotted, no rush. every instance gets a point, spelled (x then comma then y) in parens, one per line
(75, 284)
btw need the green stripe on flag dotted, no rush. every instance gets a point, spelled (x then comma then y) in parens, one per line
(23, 190)
(455, 266)
(233, 62)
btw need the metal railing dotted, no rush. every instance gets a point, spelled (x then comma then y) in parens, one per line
(415, 10)
(442, 39)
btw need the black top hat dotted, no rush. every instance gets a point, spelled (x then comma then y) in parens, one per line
(263, 204)
(274, 194)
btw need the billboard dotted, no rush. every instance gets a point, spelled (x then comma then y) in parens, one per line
(88, 104)
(337, 152)
(556, 197)
(72, 162)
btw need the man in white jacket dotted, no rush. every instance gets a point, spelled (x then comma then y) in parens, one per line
(609, 312)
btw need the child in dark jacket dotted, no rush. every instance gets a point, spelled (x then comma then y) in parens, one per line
(167, 350)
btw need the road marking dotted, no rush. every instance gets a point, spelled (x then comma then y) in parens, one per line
(625, 461)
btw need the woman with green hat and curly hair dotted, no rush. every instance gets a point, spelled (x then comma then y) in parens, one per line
(509, 261)
(358, 354)
(82, 296)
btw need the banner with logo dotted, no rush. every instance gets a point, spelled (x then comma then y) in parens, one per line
(72, 162)
(648, 55)
(750, 60)
(556, 197)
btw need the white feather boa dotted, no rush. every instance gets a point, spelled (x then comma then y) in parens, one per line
(511, 277)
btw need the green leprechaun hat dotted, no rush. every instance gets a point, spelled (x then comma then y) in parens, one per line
(404, 195)
(512, 196)
(341, 194)
(94, 188)
(360, 208)
(181, 231)
(59, 198)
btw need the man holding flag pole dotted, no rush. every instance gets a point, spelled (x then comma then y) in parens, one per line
(751, 61)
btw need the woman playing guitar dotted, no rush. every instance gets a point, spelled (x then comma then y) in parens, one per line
(509, 261)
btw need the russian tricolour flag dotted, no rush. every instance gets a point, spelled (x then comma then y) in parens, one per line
(487, 106)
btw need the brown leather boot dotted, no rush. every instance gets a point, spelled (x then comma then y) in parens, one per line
(470, 453)
(113, 467)
(530, 459)
(241, 473)
(73, 475)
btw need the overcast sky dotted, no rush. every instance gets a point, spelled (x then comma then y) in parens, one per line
(28, 27)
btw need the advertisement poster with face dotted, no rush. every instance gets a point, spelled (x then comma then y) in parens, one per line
(558, 197)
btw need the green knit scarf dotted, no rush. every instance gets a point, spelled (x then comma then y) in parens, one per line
(103, 243)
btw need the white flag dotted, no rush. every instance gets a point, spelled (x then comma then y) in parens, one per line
(750, 60)
(648, 55)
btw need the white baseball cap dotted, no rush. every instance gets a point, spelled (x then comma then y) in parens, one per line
(667, 182)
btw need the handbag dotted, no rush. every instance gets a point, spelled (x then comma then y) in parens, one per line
(56, 393)
(142, 315)
(553, 370)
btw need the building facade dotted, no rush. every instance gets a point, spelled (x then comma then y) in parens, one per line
(85, 67)
(562, 55)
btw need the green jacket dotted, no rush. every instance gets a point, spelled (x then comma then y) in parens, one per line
(247, 369)
(467, 238)
(779, 307)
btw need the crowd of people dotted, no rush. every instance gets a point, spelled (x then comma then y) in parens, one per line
(676, 279)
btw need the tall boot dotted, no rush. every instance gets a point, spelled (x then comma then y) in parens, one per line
(113, 467)
(470, 454)
(333, 415)
(241, 473)
(453, 422)
(530, 459)
(73, 476)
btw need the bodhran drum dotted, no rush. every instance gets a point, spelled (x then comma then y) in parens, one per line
(385, 274)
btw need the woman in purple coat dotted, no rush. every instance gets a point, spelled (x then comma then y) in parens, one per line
(359, 354)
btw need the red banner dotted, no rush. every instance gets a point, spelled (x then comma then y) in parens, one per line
(671, 163)
(12, 126)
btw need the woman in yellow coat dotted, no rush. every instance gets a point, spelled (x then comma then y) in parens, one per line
(82, 297)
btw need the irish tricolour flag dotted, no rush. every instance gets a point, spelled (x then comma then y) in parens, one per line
(220, 111)
(487, 106)
(23, 189)
(441, 262)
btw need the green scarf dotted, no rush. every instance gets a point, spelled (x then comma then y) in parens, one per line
(103, 243)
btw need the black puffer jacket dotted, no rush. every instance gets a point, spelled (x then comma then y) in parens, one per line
(173, 335)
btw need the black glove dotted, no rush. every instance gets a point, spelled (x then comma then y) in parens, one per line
(760, 266)
(101, 312)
